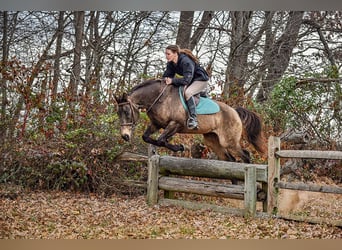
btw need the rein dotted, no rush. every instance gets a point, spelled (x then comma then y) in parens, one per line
(157, 99)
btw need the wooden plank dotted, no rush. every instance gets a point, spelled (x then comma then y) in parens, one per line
(310, 154)
(273, 175)
(152, 181)
(203, 206)
(240, 212)
(174, 184)
(129, 156)
(310, 187)
(312, 220)
(206, 206)
(264, 188)
(208, 168)
(201, 187)
(250, 192)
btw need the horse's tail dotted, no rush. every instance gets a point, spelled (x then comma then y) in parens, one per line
(253, 126)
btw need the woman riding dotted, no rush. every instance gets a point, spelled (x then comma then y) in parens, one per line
(183, 69)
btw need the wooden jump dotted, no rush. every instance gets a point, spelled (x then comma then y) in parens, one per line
(161, 168)
(170, 174)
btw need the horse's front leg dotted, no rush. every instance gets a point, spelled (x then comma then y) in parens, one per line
(171, 129)
(151, 129)
(162, 141)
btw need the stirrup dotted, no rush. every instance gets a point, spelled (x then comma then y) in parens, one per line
(192, 123)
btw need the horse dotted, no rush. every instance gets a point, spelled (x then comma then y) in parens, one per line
(222, 130)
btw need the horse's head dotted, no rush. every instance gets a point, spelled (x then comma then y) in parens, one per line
(128, 113)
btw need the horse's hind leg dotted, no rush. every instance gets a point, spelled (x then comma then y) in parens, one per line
(228, 153)
(230, 157)
(212, 141)
(245, 156)
(237, 151)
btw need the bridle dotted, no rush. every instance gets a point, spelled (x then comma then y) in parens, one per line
(132, 106)
(134, 118)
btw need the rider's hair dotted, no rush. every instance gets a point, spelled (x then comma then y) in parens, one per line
(178, 50)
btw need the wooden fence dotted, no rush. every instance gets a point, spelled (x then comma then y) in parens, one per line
(164, 172)
(262, 182)
(275, 184)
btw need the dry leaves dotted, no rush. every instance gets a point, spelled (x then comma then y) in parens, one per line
(62, 215)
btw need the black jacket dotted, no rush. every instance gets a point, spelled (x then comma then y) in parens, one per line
(187, 68)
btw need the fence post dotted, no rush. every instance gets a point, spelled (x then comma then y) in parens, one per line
(152, 181)
(273, 175)
(250, 191)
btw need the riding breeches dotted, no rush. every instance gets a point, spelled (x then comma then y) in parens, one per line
(195, 88)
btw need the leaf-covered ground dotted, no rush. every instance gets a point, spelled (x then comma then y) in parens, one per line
(64, 215)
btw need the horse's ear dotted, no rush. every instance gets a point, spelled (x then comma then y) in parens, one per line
(121, 99)
(124, 97)
(116, 99)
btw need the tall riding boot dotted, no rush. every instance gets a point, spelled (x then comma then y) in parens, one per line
(192, 121)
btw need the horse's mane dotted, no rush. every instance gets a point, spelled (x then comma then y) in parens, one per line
(145, 83)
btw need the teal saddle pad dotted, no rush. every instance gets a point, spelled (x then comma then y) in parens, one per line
(206, 106)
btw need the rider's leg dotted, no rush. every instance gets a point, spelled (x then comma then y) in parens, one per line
(191, 90)
(192, 120)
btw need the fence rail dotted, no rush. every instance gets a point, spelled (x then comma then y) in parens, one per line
(309, 187)
(209, 168)
(309, 154)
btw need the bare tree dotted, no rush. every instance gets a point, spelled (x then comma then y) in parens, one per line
(243, 42)
(278, 55)
(76, 67)
(201, 28)
(185, 28)
(58, 51)
(4, 62)
(187, 36)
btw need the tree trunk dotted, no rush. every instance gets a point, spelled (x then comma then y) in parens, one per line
(89, 54)
(3, 81)
(185, 37)
(58, 51)
(203, 25)
(280, 54)
(238, 55)
(184, 28)
(76, 69)
(269, 40)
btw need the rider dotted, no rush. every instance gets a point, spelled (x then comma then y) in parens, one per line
(183, 69)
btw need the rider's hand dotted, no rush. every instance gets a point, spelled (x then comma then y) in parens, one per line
(168, 80)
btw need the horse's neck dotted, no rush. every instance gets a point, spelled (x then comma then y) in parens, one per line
(144, 98)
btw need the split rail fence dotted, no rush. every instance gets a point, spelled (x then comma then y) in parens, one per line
(261, 182)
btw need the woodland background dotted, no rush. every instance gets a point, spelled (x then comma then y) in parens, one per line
(60, 71)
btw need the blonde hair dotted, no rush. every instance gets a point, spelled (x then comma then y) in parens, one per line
(176, 49)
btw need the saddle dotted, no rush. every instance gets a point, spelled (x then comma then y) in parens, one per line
(204, 105)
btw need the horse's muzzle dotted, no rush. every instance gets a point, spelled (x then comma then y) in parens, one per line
(125, 137)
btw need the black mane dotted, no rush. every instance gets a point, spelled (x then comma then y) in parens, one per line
(144, 84)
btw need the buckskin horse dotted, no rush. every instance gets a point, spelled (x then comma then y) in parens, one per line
(222, 129)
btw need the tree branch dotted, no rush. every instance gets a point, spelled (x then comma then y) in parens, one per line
(317, 80)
